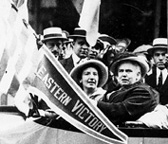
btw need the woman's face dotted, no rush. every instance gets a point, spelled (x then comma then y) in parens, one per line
(90, 78)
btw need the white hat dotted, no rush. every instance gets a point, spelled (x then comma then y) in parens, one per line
(159, 43)
(53, 33)
(76, 72)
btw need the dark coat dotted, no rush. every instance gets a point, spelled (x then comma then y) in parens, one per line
(128, 104)
(163, 91)
(67, 64)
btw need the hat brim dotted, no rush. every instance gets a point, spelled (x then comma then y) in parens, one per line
(111, 40)
(103, 76)
(52, 38)
(151, 50)
(142, 63)
(74, 36)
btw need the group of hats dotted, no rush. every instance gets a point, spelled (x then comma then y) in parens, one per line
(57, 33)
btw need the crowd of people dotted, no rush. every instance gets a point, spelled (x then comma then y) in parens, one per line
(125, 85)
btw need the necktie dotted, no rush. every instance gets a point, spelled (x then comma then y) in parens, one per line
(160, 79)
(79, 61)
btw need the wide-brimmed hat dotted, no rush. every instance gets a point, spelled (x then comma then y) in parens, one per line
(142, 48)
(158, 43)
(53, 33)
(76, 72)
(107, 38)
(78, 32)
(142, 62)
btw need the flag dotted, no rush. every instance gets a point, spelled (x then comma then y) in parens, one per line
(55, 86)
(18, 46)
(89, 20)
(27, 70)
(21, 5)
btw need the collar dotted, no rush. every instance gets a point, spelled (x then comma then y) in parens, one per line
(75, 58)
(132, 85)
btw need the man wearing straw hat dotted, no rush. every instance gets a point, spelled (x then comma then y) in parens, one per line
(157, 77)
(133, 98)
(53, 38)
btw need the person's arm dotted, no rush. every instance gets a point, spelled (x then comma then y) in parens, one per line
(137, 102)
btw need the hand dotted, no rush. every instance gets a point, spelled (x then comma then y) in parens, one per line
(50, 114)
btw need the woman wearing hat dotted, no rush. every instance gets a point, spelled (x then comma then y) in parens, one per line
(91, 75)
(133, 98)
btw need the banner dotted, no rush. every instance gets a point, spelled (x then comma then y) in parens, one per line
(54, 85)
(18, 46)
(89, 20)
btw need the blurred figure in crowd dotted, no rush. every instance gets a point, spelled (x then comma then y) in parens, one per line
(67, 47)
(107, 58)
(107, 54)
(142, 51)
(95, 51)
(122, 45)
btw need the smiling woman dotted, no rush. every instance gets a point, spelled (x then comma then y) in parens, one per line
(91, 75)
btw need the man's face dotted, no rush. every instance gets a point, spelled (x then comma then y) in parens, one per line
(55, 46)
(93, 52)
(128, 73)
(159, 57)
(81, 47)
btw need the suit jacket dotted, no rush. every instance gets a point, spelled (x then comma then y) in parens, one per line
(151, 80)
(67, 64)
(128, 104)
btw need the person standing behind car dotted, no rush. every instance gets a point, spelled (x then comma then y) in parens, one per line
(158, 76)
(80, 49)
(53, 38)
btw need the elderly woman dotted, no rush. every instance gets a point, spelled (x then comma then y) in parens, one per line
(91, 75)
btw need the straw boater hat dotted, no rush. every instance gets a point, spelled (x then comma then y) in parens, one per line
(76, 72)
(78, 32)
(130, 57)
(53, 33)
(158, 43)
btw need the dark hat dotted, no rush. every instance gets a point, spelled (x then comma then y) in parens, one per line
(142, 62)
(78, 32)
(53, 33)
(76, 72)
(99, 44)
(107, 38)
(158, 43)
